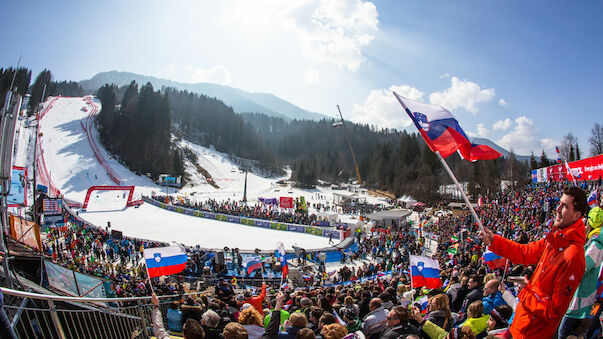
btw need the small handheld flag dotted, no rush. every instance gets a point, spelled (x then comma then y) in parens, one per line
(165, 260)
(425, 271)
(592, 199)
(493, 260)
(251, 264)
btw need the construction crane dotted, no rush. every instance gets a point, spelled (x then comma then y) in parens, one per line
(342, 123)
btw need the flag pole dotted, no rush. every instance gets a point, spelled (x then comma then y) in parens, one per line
(148, 276)
(460, 188)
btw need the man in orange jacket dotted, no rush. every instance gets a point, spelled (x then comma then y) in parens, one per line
(256, 302)
(560, 258)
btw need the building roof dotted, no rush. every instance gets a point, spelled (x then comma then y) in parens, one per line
(390, 214)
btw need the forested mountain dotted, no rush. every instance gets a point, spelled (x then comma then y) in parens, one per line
(21, 84)
(136, 129)
(239, 100)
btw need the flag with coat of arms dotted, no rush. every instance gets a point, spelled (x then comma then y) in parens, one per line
(425, 272)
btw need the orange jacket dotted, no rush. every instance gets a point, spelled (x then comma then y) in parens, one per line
(256, 302)
(546, 297)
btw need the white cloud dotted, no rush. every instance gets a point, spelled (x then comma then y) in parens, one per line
(383, 110)
(311, 76)
(523, 140)
(502, 102)
(445, 75)
(218, 74)
(502, 124)
(333, 31)
(462, 93)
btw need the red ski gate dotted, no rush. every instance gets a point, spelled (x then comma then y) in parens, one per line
(111, 188)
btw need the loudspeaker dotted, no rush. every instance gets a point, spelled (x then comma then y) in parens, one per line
(220, 258)
(116, 234)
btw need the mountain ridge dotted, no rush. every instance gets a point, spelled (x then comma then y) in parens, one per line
(240, 100)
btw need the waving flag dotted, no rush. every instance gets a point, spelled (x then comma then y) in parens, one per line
(442, 132)
(592, 199)
(493, 260)
(425, 272)
(165, 260)
(251, 264)
(280, 256)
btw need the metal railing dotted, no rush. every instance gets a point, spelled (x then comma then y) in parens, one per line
(34, 315)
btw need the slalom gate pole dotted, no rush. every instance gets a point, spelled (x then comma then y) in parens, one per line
(460, 188)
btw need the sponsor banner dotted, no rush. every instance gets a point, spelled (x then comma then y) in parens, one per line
(296, 228)
(314, 230)
(247, 222)
(232, 218)
(209, 215)
(585, 169)
(90, 286)
(179, 209)
(198, 214)
(18, 187)
(221, 217)
(331, 233)
(286, 202)
(261, 223)
(534, 176)
(189, 212)
(60, 278)
(323, 223)
(341, 225)
(278, 226)
(26, 232)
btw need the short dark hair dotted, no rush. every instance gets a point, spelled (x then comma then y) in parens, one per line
(192, 329)
(401, 313)
(579, 198)
(305, 333)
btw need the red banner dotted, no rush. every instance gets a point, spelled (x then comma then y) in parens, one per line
(286, 202)
(585, 169)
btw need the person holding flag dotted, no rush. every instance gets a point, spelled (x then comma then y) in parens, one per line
(164, 261)
(560, 266)
(424, 272)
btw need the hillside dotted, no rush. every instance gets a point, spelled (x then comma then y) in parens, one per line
(241, 101)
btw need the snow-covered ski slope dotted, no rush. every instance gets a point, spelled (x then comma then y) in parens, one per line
(73, 168)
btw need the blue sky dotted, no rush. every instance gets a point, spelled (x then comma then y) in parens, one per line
(522, 74)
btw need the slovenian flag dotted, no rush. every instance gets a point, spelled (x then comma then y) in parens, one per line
(425, 272)
(251, 264)
(493, 260)
(592, 199)
(165, 260)
(280, 256)
(442, 132)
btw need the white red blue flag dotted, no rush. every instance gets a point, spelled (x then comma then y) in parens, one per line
(280, 256)
(493, 260)
(165, 260)
(442, 132)
(592, 199)
(425, 272)
(251, 264)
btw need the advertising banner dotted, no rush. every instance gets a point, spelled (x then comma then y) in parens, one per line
(221, 217)
(53, 220)
(332, 233)
(247, 222)
(209, 215)
(314, 230)
(264, 224)
(534, 176)
(18, 187)
(26, 232)
(232, 218)
(278, 226)
(286, 202)
(296, 228)
(60, 278)
(91, 287)
(323, 223)
(585, 169)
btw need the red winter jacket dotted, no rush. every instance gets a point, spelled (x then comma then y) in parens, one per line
(256, 302)
(546, 297)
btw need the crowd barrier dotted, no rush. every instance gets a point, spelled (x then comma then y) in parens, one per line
(323, 232)
(97, 153)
